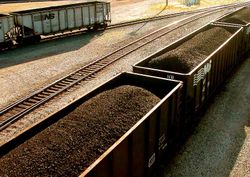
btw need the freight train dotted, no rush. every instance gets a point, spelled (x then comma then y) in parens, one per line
(139, 151)
(28, 25)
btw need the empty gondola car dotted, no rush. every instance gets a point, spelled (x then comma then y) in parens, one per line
(31, 24)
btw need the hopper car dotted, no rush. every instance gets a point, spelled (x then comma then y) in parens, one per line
(27, 26)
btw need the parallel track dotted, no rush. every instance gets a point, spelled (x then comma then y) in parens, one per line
(17, 110)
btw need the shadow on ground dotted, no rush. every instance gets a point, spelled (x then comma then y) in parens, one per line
(216, 143)
(23, 54)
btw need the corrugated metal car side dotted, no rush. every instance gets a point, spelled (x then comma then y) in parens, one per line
(6, 24)
(63, 19)
(139, 150)
(2, 33)
(203, 80)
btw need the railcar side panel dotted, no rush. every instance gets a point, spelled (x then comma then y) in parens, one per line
(92, 14)
(85, 12)
(99, 13)
(70, 18)
(6, 25)
(78, 17)
(62, 20)
(2, 31)
(55, 22)
(38, 26)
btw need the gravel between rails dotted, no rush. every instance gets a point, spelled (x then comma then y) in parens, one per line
(120, 66)
(71, 144)
(189, 54)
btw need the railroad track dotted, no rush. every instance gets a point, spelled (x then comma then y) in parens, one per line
(17, 110)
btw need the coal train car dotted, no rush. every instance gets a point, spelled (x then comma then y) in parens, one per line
(135, 153)
(29, 25)
(203, 79)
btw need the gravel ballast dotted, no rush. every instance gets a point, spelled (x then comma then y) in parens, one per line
(189, 54)
(241, 17)
(71, 144)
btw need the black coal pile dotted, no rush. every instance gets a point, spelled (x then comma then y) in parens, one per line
(192, 52)
(69, 146)
(241, 17)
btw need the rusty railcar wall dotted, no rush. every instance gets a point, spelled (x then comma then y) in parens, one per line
(204, 79)
(138, 151)
(245, 45)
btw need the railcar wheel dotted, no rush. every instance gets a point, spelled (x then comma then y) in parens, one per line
(104, 26)
(19, 40)
(6, 45)
(96, 27)
(89, 28)
(36, 38)
(32, 39)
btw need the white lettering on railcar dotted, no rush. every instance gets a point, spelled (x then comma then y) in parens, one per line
(162, 142)
(151, 160)
(203, 90)
(202, 73)
(44, 17)
(170, 76)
